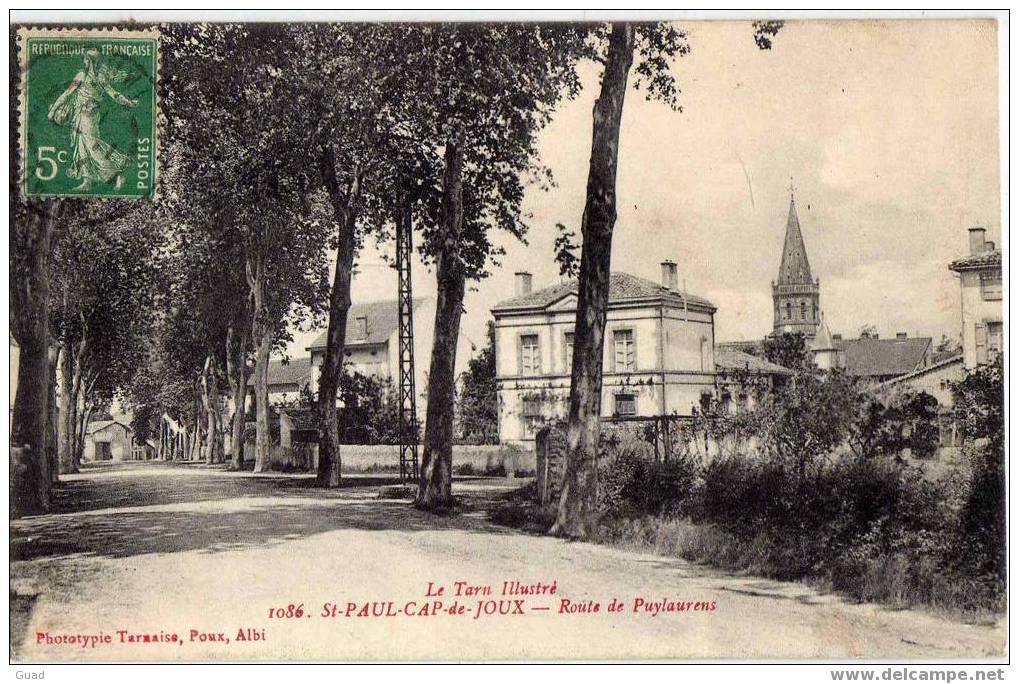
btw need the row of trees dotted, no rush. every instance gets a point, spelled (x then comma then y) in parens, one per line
(82, 278)
(286, 144)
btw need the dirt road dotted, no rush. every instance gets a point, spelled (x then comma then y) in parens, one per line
(207, 557)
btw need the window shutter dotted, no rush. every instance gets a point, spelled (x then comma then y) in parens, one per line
(981, 342)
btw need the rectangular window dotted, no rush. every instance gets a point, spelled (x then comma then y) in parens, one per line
(568, 352)
(622, 343)
(990, 286)
(995, 339)
(980, 342)
(532, 407)
(626, 405)
(530, 355)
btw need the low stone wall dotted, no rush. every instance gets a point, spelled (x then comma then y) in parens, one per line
(480, 459)
(485, 459)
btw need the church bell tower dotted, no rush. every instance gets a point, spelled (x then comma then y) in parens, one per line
(796, 294)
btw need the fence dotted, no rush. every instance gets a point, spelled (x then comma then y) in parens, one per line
(662, 434)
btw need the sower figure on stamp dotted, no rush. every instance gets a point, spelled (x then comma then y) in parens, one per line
(93, 158)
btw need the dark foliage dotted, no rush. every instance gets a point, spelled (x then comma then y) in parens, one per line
(478, 402)
(827, 495)
(980, 406)
(787, 349)
(370, 413)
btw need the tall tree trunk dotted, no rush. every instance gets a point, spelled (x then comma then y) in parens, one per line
(161, 449)
(214, 425)
(263, 438)
(237, 374)
(435, 490)
(196, 446)
(261, 335)
(579, 498)
(65, 427)
(345, 213)
(30, 325)
(75, 410)
(52, 415)
(84, 412)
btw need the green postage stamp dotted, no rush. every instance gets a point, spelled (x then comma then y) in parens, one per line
(89, 109)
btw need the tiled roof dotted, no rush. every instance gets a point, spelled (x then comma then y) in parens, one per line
(944, 355)
(728, 358)
(383, 320)
(97, 425)
(746, 346)
(871, 357)
(622, 287)
(943, 363)
(990, 258)
(297, 371)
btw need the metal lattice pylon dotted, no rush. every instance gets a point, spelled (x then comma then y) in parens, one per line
(408, 402)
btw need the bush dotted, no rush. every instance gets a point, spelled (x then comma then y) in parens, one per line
(980, 407)
(825, 495)
(468, 470)
(371, 410)
(633, 482)
(872, 528)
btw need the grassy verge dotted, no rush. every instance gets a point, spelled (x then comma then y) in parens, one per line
(896, 580)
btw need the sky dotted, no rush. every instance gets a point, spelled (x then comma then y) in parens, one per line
(888, 131)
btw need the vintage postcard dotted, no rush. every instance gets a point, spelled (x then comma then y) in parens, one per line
(506, 339)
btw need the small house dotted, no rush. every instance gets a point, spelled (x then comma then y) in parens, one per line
(113, 441)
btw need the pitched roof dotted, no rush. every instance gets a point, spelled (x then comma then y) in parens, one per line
(623, 287)
(823, 340)
(97, 425)
(729, 358)
(945, 354)
(751, 347)
(795, 268)
(383, 318)
(870, 357)
(943, 363)
(297, 371)
(983, 260)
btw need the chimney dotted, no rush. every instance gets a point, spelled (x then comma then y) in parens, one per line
(523, 283)
(361, 327)
(990, 246)
(901, 336)
(670, 275)
(977, 243)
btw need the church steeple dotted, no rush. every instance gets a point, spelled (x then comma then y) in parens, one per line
(796, 294)
(795, 266)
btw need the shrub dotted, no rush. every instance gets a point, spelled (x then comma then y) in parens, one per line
(371, 410)
(980, 407)
(633, 482)
(825, 497)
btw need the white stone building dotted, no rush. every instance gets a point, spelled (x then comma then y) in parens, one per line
(113, 441)
(373, 342)
(980, 281)
(659, 351)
